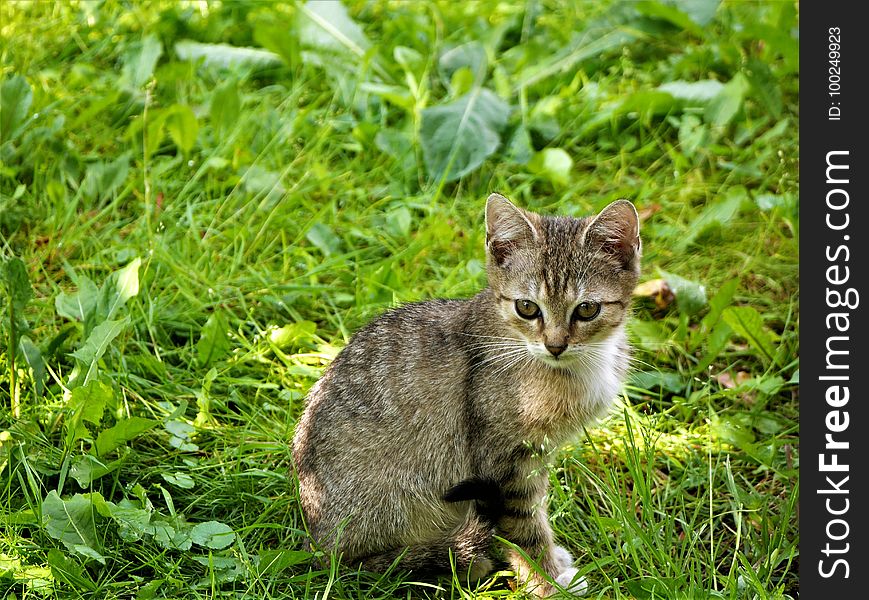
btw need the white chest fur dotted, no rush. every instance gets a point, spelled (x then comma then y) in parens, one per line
(555, 403)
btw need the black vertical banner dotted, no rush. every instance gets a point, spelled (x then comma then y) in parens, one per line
(834, 348)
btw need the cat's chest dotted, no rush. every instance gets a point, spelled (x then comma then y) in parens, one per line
(553, 405)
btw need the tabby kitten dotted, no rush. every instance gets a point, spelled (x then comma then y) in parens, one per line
(431, 431)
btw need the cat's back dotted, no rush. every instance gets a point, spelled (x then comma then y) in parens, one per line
(401, 377)
(415, 344)
(386, 425)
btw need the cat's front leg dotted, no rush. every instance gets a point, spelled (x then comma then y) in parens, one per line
(529, 529)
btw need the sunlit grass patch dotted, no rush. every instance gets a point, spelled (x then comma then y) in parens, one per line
(274, 194)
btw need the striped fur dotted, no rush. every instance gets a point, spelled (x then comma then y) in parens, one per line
(431, 432)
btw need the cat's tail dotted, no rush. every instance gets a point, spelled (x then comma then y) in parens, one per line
(468, 548)
(485, 492)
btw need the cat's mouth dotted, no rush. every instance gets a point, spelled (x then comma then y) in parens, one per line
(564, 360)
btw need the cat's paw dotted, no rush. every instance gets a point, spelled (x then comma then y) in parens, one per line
(571, 581)
(561, 558)
(481, 567)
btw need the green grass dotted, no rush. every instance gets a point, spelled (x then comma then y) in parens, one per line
(278, 206)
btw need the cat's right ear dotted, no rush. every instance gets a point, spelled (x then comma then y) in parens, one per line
(508, 228)
(615, 232)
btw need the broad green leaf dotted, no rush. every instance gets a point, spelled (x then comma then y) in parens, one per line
(397, 95)
(544, 115)
(747, 323)
(214, 341)
(224, 568)
(172, 536)
(582, 46)
(78, 306)
(140, 60)
(181, 433)
(398, 221)
(456, 138)
(461, 82)
(322, 236)
(272, 562)
(17, 283)
(156, 131)
(212, 534)
(731, 430)
(34, 359)
(224, 55)
(701, 12)
(690, 15)
(263, 183)
(87, 468)
(102, 179)
(716, 341)
(409, 59)
(293, 333)
(721, 300)
(270, 32)
(182, 126)
(666, 11)
(669, 381)
(519, 149)
(67, 571)
(554, 164)
(765, 86)
(15, 100)
(133, 522)
(122, 432)
(325, 26)
(94, 347)
(73, 523)
(150, 590)
(721, 109)
(182, 480)
(86, 404)
(713, 215)
(118, 287)
(693, 93)
(471, 55)
(647, 104)
(397, 144)
(693, 135)
(767, 202)
(225, 108)
(690, 295)
(649, 335)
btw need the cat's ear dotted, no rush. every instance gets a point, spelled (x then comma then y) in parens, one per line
(508, 228)
(615, 232)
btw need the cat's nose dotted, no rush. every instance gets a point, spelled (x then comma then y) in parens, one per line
(556, 350)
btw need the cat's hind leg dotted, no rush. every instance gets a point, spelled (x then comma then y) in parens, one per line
(526, 525)
(468, 548)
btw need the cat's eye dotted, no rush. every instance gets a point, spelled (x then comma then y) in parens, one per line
(586, 311)
(527, 309)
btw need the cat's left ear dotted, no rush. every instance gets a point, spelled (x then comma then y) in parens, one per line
(615, 231)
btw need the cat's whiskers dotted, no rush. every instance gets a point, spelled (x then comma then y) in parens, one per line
(509, 357)
(602, 351)
(522, 361)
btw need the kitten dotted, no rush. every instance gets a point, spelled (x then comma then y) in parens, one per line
(431, 431)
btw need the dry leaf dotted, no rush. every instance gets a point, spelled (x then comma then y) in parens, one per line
(726, 379)
(657, 289)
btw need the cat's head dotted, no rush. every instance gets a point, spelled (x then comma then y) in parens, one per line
(563, 285)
